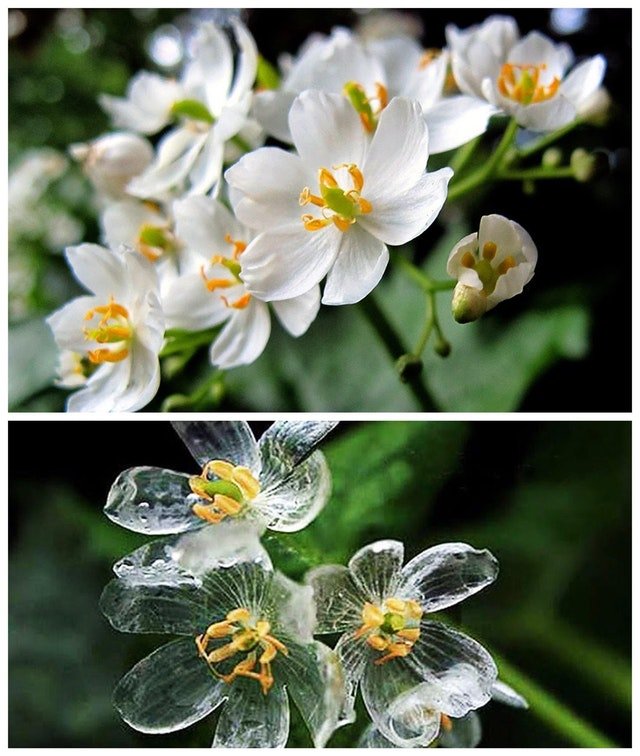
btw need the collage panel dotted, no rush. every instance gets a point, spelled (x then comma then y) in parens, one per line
(319, 210)
(308, 582)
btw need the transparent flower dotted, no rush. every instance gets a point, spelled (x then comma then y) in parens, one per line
(411, 670)
(333, 208)
(527, 78)
(246, 645)
(491, 265)
(279, 482)
(210, 290)
(118, 329)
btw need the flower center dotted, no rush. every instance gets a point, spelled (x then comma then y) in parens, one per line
(155, 241)
(362, 104)
(483, 265)
(248, 637)
(231, 266)
(113, 328)
(522, 83)
(392, 628)
(225, 496)
(338, 206)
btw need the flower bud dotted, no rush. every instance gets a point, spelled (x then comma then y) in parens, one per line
(468, 303)
(583, 164)
(552, 157)
(408, 366)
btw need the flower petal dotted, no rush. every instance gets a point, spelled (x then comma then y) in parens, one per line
(286, 262)
(546, 116)
(359, 266)
(506, 695)
(146, 108)
(376, 569)
(448, 573)
(207, 167)
(151, 500)
(168, 690)
(455, 121)
(212, 64)
(190, 305)
(143, 379)
(339, 602)
(247, 64)
(583, 81)
(98, 269)
(229, 441)
(297, 314)
(102, 391)
(68, 322)
(354, 656)
(399, 219)
(243, 338)
(536, 49)
(314, 680)
(291, 608)
(465, 732)
(271, 109)
(202, 224)
(251, 719)
(291, 504)
(244, 584)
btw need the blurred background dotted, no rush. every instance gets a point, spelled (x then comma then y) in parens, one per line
(551, 500)
(563, 345)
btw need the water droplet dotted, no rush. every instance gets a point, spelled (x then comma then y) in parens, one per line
(158, 563)
(143, 505)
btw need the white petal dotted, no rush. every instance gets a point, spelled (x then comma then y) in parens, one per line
(583, 81)
(251, 719)
(98, 269)
(247, 64)
(510, 284)
(546, 116)
(339, 602)
(207, 168)
(190, 305)
(229, 441)
(146, 109)
(503, 233)
(243, 338)
(297, 314)
(506, 695)
(267, 184)
(271, 109)
(326, 130)
(468, 243)
(102, 391)
(142, 382)
(68, 323)
(448, 573)
(455, 121)
(402, 218)
(398, 154)
(286, 262)
(213, 62)
(376, 569)
(202, 224)
(358, 268)
(535, 49)
(121, 222)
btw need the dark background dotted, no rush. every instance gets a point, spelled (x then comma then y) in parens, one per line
(550, 499)
(582, 230)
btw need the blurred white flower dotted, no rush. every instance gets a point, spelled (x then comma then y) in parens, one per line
(490, 266)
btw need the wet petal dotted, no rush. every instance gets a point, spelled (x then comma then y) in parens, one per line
(465, 732)
(354, 656)
(229, 441)
(169, 690)
(246, 584)
(376, 569)
(339, 602)
(291, 608)
(448, 573)
(251, 719)
(151, 500)
(506, 695)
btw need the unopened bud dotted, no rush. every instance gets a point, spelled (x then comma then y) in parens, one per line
(583, 164)
(408, 366)
(468, 303)
(597, 108)
(442, 348)
(552, 157)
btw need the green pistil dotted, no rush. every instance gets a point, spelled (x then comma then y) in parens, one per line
(224, 487)
(393, 623)
(155, 236)
(193, 109)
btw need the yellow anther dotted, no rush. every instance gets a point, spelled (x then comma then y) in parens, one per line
(427, 57)
(222, 653)
(382, 95)
(113, 328)
(239, 303)
(213, 284)
(393, 627)
(506, 264)
(238, 246)
(468, 260)
(489, 250)
(246, 482)
(227, 505)
(414, 610)
(372, 615)
(219, 629)
(325, 178)
(395, 650)
(395, 605)
(239, 615)
(521, 82)
(99, 356)
(314, 224)
(262, 628)
(378, 642)
(224, 470)
(410, 634)
(269, 653)
(341, 223)
(208, 513)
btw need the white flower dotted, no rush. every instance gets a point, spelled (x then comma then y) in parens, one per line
(490, 266)
(411, 670)
(334, 207)
(72, 369)
(210, 290)
(118, 329)
(527, 78)
(212, 103)
(374, 73)
(111, 161)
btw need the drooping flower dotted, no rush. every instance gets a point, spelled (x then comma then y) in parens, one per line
(526, 78)
(117, 330)
(372, 73)
(390, 648)
(246, 644)
(333, 208)
(210, 290)
(490, 266)
(280, 482)
(211, 103)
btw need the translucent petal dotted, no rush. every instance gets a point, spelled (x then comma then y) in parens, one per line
(230, 441)
(251, 719)
(296, 501)
(339, 601)
(505, 694)
(399, 706)
(291, 608)
(376, 569)
(460, 666)
(354, 656)
(151, 500)
(465, 732)
(315, 682)
(286, 444)
(168, 690)
(246, 584)
(373, 738)
(447, 574)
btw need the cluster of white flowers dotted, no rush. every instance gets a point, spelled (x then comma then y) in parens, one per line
(248, 631)
(190, 247)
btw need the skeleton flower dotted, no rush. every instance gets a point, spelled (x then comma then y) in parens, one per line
(210, 290)
(246, 646)
(211, 102)
(491, 265)
(399, 657)
(526, 78)
(116, 332)
(333, 208)
(279, 482)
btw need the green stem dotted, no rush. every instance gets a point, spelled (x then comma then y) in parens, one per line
(427, 327)
(548, 709)
(545, 141)
(424, 281)
(395, 348)
(535, 174)
(463, 154)
(179, 341)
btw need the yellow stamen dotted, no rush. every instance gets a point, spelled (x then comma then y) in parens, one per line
(427, 57)
(506, 264)
(396, 650)
(377, 642)
(489, 250)
(239, 615)
(99, 356)
(226, 497)
(338, 206)
(393, 627)
(468, 260)
(238, 246)
(521, 82)
(240, 303)
(113, 328)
